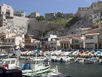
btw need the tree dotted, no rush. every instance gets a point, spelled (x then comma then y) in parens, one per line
(40, 18)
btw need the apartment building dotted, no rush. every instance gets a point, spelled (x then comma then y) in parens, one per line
(31, 43)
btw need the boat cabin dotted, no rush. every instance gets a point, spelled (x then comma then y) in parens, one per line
(10, 63)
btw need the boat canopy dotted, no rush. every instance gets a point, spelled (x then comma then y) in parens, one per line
(37, 52)
(98, 53)
(17, 52)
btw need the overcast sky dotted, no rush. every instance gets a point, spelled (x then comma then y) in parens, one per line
(47, 6)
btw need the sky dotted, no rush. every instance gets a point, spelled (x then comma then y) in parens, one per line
(48, 6)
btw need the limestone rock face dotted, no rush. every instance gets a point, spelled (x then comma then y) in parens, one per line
(84, 22)
(23, 25)
(17, 25)
(87, 21)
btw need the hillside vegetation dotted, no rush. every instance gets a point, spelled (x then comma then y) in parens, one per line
(58, 21)
(72, 21)
(43, 26)
(62, 23)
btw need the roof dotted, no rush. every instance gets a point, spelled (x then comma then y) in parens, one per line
(10, 38)
(90, 31)
(88, 28)
(6, 45)
(95, 31)
(90, 34)
(77, 38)
(64, 41)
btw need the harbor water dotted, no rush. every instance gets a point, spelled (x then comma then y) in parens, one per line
(77, 70)
(80, 70)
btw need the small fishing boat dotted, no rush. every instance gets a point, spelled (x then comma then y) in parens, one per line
(35, 69)
(90, 61)
(79, 60)
(9, 63)
(55, 74)
(10, 68)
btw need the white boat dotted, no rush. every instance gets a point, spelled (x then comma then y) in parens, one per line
(9, 63)
(35, 69)
(54, 73)
(80, 60)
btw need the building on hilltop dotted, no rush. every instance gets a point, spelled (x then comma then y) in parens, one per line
(58, 15)
(20, 13)
(49, 16)
(82, 11)
(13, 21)
(34, 15)
(91, 10)
(6, 12)
(96, 5)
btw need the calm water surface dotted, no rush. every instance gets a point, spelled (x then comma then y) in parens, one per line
(80, 70)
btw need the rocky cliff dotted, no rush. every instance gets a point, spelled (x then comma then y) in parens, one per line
(16, 25)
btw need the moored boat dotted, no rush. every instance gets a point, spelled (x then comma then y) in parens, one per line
(37, 68)
(80, 60)
(9, 63)
(90, 61)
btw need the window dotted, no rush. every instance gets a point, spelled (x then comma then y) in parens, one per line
(7, 12)
(7, 62)
(76, 41)
(4, 19)
(7, 6)
(13, 62)
(13, 40)
(1, 62)
(89, 37)
(9, 40)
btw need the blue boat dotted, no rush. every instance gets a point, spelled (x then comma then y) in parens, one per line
(90, 61)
